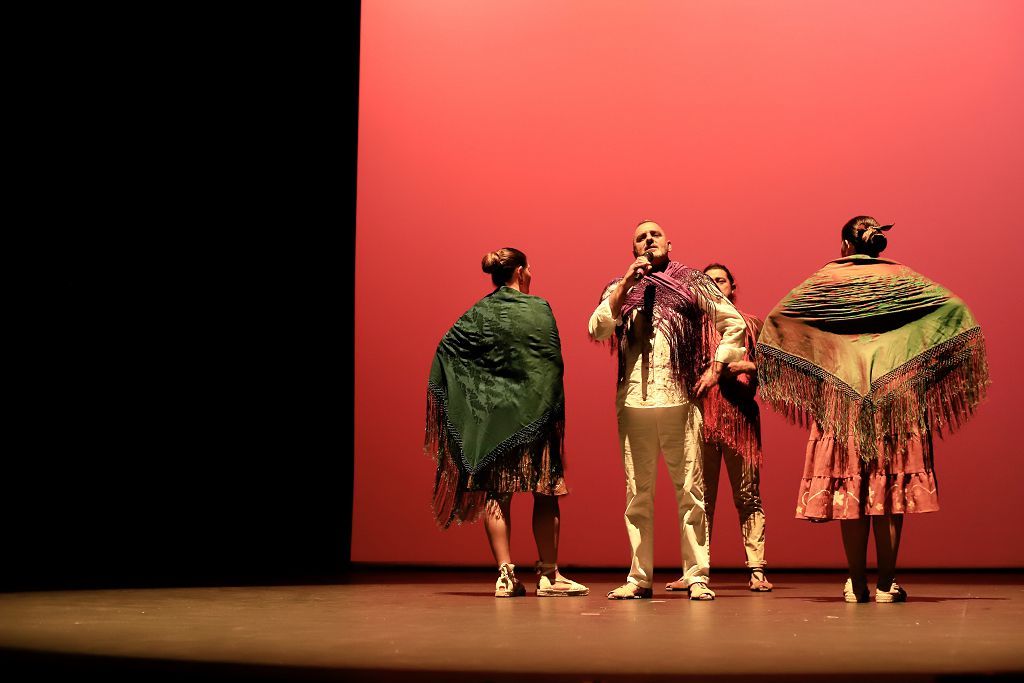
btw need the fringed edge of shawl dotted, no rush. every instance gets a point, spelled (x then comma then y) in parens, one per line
(688, 328)
(530, 458)
(726, 423)
(731, 415)
(938, 389)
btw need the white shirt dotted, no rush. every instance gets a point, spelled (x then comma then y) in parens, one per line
(649, 382)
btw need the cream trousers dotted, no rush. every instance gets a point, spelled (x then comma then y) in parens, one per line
(674, 431)
(746, 495)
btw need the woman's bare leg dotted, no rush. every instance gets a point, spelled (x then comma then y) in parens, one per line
(498, 524)
(546, 520)
(855, 543)
(888, 529)
(546, 523)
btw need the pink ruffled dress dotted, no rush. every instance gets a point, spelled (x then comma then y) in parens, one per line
(834, 487)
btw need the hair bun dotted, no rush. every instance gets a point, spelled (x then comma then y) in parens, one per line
(874, 240)
(490, 261)
(501, 264)
(866, 236)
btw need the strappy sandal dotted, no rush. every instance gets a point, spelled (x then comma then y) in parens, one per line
(630, 591)
(677, 585)
(894, 594)
(759, 582)
(551, 584)
(507, 585)
(851, 596)
(700, 591)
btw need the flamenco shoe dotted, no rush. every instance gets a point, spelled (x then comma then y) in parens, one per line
(894, 594)
(507, 585)
(850, 596)
(551, 584)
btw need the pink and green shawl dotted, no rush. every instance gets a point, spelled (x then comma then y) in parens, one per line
(870, 347)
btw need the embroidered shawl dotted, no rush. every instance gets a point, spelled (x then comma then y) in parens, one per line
(681, 302)
(495, 404)
(868, 347)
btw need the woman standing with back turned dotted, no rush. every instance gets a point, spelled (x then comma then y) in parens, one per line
(496, 418)
(875, 357)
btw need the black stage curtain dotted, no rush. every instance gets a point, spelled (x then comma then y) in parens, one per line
(183, 375)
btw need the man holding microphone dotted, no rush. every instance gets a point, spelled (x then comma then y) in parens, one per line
(661, 315)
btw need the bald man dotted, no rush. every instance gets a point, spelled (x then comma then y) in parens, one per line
(658, 315)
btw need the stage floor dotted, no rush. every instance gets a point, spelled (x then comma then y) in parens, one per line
(419, 625)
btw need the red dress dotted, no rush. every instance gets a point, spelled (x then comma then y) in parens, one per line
(834, 487)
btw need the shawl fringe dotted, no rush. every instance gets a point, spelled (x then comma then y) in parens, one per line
(690, 333)
(736, 425)
(731, 415)
(529, 460)
(673, 296)
(938, 389)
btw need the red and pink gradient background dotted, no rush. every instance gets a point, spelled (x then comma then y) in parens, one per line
(751, 131)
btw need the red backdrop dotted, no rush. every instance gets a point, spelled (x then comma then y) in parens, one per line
(751, 131)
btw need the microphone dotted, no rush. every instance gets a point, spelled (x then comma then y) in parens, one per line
(650, 259)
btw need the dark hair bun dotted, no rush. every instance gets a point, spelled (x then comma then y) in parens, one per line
(501, 264)
(866, 235)
(490, 262)
(876, 241)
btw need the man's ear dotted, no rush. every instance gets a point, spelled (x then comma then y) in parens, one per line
(669, 248)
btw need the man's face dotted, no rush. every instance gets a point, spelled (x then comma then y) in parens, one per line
(721, 278)
(650, 237)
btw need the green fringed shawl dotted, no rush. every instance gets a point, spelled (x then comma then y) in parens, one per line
(868, 345)
(495, 404)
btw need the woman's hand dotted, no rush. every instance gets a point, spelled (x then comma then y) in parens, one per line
(742, 367)
(708, 379)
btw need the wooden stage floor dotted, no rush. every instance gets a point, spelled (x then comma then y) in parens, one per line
(445, 625)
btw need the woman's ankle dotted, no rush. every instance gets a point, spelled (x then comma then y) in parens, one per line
(548, 569)
(885, 584)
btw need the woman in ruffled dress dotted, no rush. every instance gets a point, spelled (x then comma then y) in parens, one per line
(876, 358)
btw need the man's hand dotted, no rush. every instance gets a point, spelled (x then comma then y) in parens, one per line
(708, 379)
(642, 264)
(618, 295)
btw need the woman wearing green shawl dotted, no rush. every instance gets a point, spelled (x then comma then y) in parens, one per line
(496, 420)
(875, 358)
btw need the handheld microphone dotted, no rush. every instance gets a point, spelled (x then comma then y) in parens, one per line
(649, 254)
